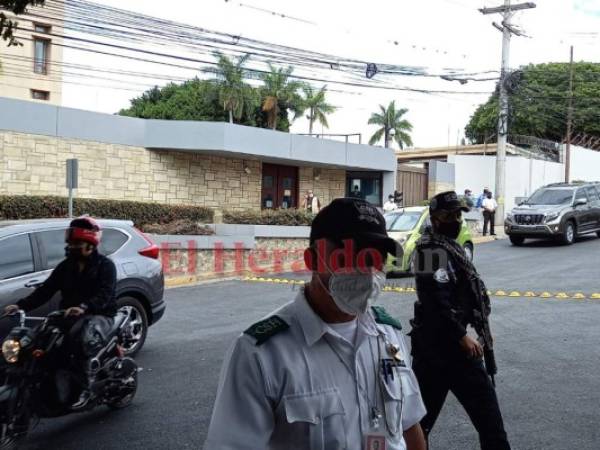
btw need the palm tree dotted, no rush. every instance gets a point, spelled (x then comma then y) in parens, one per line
(318, 108)
(278, 92)
(391, 120)
(234, 93)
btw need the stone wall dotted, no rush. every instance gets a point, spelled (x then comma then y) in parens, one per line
(184, 264)
(35, 165)
(328, 185)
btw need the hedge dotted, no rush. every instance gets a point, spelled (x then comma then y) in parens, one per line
(185, 226)
(269, 217)
(141, 213)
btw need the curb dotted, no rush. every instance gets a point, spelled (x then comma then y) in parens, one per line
(486, 239)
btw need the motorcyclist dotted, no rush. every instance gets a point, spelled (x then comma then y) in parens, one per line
(86, 280)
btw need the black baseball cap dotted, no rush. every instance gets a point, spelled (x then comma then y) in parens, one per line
(356, 219)
(447, 201)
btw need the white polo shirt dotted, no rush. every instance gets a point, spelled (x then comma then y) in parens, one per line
(307, 387)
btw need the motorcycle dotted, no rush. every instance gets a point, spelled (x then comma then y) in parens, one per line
(38, 379)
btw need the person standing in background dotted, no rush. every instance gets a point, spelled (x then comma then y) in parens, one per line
(489, 206)
(481, 198)
(390, 205)
(311, 202)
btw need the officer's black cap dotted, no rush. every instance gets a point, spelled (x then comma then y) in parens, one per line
(351, 218)
(446, 201)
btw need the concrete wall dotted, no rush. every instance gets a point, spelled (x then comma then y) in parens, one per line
(17, 76)
(524, 175)
(214, 138)
(441, 177)
(585, 164)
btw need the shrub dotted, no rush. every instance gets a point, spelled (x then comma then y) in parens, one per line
(269, 217)
(37, 207)
(184, 226)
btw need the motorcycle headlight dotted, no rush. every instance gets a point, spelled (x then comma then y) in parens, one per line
(551, 217)
(10, 350)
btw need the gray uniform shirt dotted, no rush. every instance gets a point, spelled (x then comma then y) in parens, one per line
(307, 388)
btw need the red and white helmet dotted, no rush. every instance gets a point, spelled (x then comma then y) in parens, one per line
(84, 229)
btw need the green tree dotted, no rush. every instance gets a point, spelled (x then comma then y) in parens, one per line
(538, 103)
(8, 26)
(279, 94)
(393, 126)
(314, 102)
(234, 93)
(192, 100)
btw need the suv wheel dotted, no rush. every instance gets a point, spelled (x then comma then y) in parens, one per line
(136, 329)
(568, 236)
(516, 240)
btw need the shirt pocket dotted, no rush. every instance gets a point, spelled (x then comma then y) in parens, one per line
(395, 394)
(319, 418)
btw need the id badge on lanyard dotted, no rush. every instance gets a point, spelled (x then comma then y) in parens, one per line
(376, 441)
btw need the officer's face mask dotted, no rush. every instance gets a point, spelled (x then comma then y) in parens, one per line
(352, 292)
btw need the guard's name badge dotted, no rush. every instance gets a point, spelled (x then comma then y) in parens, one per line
(376, 442)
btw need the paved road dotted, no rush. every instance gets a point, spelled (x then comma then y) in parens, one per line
(547, 351)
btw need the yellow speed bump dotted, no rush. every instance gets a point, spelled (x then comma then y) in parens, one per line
(595, 295)
(546, 295)
(562, 295)
(515, 294)
(500, 294)
(579, 296)
(529, 294)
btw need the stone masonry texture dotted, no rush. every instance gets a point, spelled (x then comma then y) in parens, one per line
(36, 165)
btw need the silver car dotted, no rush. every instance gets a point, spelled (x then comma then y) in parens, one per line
(31, 249)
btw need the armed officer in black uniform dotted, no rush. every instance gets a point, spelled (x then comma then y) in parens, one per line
(452, 296)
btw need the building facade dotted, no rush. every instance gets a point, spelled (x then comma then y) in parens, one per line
(214, 164)
(33, 70)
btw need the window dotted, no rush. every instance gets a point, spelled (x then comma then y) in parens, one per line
(112, 240)
(41, 49)
(40, 95)
(16, 258)
(402, 222)
(581, 195)
(592, 194)
(551, 197)
(39, 28)
(53, 245)
(364, 185)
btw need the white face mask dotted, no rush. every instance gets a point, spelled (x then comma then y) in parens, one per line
(351, 292)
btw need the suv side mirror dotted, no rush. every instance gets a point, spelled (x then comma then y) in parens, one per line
(580, 202)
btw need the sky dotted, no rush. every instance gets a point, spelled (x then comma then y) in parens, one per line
(434, 34)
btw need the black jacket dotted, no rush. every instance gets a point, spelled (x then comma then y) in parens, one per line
(444, 307)
(93, 289)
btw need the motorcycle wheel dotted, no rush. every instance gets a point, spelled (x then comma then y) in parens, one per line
(128, 374)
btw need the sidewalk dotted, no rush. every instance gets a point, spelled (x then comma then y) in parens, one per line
(480, 239)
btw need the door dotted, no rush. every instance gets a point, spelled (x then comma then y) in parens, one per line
(17, 274)
(584, 213)
(279, 186)
(594, 202)
(413, 183)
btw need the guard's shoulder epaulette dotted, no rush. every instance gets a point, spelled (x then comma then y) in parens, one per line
(382, 317)
(265, 329)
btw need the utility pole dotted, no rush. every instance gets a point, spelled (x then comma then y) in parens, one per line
(507, 29)
(569, 122)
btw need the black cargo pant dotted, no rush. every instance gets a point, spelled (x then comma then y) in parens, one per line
(488, 218)
(472, 386)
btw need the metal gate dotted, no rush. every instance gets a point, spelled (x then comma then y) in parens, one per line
(412, 182)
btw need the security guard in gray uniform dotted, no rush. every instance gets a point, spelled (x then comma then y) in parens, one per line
(452, 296)
(326, 371)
